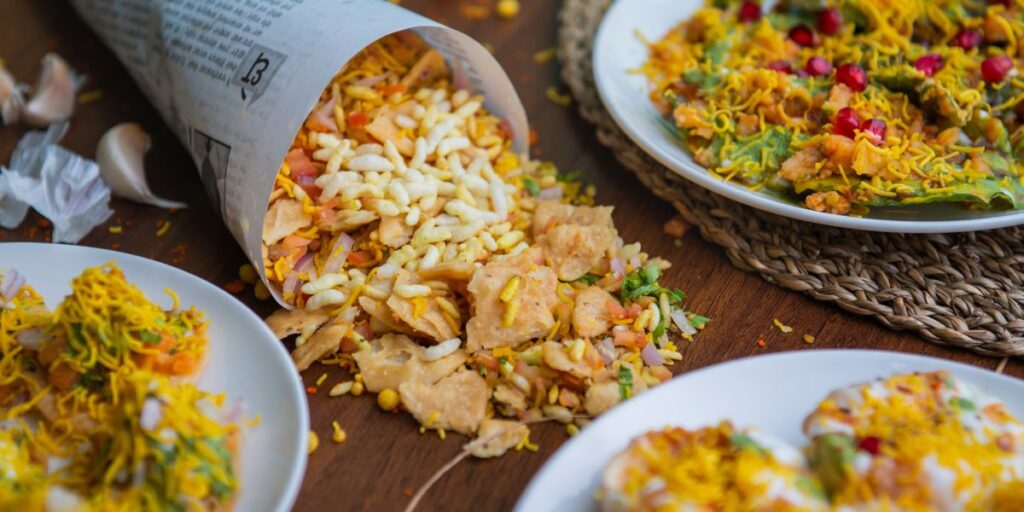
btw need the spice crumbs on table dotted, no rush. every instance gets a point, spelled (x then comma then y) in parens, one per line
(560, 99)
(320, 380)
(782, 327)
(234, 287)
(261, 291)
(115, 230)
(339, 435)
(164, 228)
(808, 339)
(340, 388)
(508, 9)
(676, 227)
(247, 273)
(90, 96)
(545, 55)
(760, 341)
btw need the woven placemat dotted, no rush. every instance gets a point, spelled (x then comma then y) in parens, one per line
(965, 290)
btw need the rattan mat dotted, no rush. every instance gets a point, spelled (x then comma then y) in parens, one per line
(965, 290)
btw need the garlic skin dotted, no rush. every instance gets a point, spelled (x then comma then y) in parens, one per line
(12, 98)
(120, 157)
(55, 93)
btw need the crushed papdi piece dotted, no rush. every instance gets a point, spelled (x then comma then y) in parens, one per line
(495, 437)
(440, 264)
(458, 402)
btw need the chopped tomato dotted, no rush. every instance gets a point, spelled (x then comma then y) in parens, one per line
(661, 373)
(360, 258)
(299, 164)
(629, 338)
(182, 363)
(63, 376)
(357, 120)
(293, 241)
(392, 89)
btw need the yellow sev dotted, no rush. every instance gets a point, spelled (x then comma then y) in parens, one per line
(108, 323)
(193, 464)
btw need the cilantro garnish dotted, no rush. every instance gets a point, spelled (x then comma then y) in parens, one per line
(644, 283)
(589, 278)
(625, 382)
(963, 404)
(699, 321)
(149, 337)
(531, 186)
(744, 442)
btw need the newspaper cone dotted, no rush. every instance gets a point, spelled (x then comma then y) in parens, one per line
(236, 80)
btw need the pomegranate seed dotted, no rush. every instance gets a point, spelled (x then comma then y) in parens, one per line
(929, 64)
(781, 66)
(802, 35)
(853, 76)
(829, 21)
(870, 444)
(818, 66)
(846, 122)
(749, 11)
(967, 39)
(876, 127)
(995, 69)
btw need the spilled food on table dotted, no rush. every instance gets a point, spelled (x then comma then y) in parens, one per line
(476, 286)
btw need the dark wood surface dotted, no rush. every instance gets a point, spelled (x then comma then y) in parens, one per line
(385, 458)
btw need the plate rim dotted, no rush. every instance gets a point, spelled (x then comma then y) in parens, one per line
(287, 498)
(761, 359)
(604, 82)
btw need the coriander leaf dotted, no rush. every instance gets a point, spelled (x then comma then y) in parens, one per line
(531, 186)
(149, 337)
(744, 442)
(699, 321)
(569, 177)
(963, 404)
(625, 382)
(589, 278)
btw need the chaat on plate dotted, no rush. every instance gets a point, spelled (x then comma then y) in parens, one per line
(96, 408)
(459, 280)
(922, 441)
(844, 105)
(711, 468)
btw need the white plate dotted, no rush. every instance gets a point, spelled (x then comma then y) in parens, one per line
(773, 393)
(618, 51)
(246, 361)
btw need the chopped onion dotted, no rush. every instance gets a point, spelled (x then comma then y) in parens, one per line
(683, 323)
(618, 267)
(339, 253)
(152, 412)
(445, 348)
(32, 339)
(291, 283)
(651, 356)
(11, 284)
(370, 81)
(550, 193)
(606, 348)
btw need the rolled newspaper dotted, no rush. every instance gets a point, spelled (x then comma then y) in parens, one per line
(236, 80)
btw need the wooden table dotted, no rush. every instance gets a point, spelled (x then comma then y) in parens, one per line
(385, 458)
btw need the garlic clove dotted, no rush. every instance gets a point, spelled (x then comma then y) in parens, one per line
(120, 157)
(55, 93)
(12, 98)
